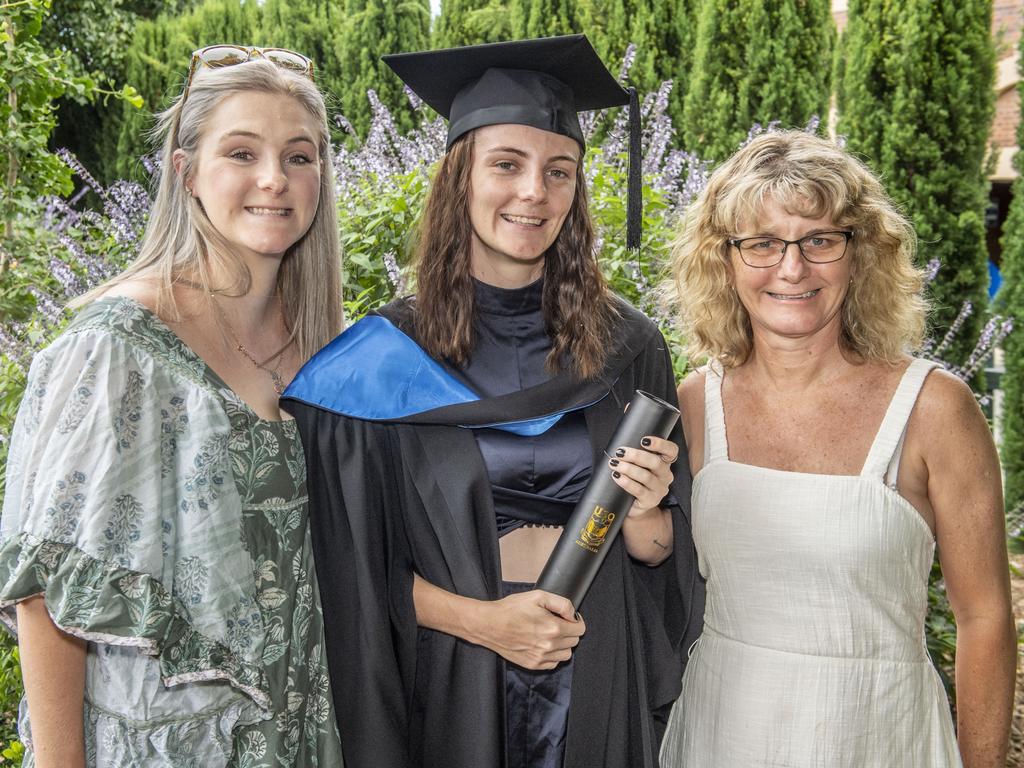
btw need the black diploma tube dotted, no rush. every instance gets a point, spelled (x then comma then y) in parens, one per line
(598, 516)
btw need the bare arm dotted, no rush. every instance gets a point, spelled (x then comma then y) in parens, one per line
(691, 405)
(647, 474)
(53, 666)
(965, 493)
(534, 629)
(647, 535)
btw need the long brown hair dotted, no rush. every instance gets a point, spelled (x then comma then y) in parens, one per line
(578, 307)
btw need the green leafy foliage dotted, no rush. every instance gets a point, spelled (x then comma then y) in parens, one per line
(916, 100)
(11, 750)
(310, 27)
(96, 35)
(756, 61)
(32, 78)
(1010, 302)
(378, 218)
(940, 631)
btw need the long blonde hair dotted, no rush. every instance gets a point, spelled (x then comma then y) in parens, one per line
(883, 315)
(181, 245)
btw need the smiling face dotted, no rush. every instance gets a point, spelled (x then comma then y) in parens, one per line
(795, 299)
(522, 184)
(257, 173)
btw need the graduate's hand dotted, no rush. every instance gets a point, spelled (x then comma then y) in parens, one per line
(535, 629)
(645, 473)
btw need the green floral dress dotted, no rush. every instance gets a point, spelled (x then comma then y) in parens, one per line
(165, 523)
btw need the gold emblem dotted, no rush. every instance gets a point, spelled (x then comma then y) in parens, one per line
(593, 534)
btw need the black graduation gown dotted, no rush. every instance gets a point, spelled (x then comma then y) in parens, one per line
(390, 498)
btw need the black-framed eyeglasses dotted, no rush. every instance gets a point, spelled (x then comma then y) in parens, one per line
(215, 56)
(817, 248)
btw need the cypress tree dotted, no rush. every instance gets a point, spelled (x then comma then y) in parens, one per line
(1010, 302)
(658, 29)
(662, 31)
(311, 27)
(916, 99)
(469, 22)
(373, 28)
(755, 61)
(607, 24)
(542, 18)
(678, 20)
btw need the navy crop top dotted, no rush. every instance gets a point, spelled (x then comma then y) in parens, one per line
(534, 479)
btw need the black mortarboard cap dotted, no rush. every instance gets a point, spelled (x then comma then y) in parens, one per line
(541, 83)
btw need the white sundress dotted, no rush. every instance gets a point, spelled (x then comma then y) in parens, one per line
(813, 651)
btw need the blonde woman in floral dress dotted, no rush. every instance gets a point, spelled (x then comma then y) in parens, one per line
(155, 557)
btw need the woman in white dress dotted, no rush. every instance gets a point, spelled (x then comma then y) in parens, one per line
(828, 465)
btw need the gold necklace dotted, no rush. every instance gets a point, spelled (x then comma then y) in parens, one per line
(275, 373)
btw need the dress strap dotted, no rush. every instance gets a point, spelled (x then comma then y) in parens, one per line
(883, 458)
(716, 445)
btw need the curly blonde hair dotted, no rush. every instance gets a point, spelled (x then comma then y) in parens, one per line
(883, 315)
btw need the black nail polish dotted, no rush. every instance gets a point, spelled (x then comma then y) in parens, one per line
(620, 452)
(614, 462)
(616, 474)
(646, 442)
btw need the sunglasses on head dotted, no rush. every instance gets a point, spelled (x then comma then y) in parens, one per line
(216, 56)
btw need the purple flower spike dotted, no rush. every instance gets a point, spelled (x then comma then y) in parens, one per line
(415, 101)
(79, 170)
(627, 62)
(966, 310)
(69, 281)
(395, 273)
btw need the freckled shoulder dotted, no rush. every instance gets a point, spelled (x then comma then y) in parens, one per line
(947, 419)
(945, 403)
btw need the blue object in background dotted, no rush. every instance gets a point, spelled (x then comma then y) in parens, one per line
(995, 279)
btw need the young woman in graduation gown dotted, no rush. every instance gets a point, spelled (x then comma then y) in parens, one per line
(449, 436)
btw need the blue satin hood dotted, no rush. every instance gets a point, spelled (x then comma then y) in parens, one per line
(375, 372)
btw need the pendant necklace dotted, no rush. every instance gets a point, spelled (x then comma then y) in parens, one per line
(275, 373)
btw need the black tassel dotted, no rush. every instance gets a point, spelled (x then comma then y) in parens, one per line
(634, 183)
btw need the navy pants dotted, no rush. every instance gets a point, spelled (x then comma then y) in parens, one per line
(536, 708)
